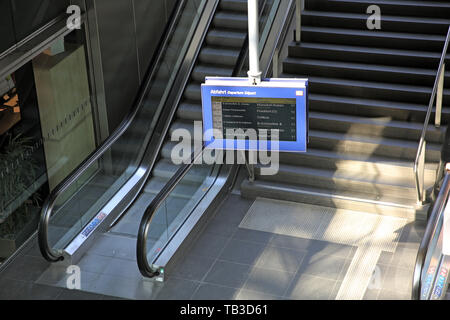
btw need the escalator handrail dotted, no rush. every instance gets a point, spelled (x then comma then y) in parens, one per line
(141, 247)
(49, 253)
(144, 226)
(421, 148)
(141, 251)
(437, 211)
(166, 191)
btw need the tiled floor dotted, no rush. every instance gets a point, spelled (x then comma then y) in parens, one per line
(228, 262)
(247, 264)
(18, 281)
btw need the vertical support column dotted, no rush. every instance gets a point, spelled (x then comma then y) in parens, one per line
(254, 73)
(253, 37)
(298, 20)
(440, 92)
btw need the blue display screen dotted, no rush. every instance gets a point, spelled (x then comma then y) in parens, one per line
(236, 113)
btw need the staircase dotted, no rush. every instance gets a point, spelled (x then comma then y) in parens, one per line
(369, 93)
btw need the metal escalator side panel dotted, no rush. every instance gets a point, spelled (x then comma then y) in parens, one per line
(441, 283)
(423, 276)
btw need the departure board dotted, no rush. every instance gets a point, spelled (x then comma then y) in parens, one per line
(256, 113)
(272, 115)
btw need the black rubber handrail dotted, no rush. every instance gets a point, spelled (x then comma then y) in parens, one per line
(438, 210)
(49, 253)
(421, 149)
(141, 248)
(144, 227)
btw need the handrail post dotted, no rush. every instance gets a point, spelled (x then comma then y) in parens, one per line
(437, 93)
(440, 92)
(253, 46)
(421, 175)
(298, 20)
(275, 63)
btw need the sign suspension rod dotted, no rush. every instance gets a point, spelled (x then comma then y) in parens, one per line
(254, 73)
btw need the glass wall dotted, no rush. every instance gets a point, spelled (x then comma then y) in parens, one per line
(7, 34)
(20, 18)
(29, 16)
(46, 131)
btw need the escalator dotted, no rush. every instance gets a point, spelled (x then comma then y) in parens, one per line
(94, 215)
(130, 210)
(118, 168)
(218, 56)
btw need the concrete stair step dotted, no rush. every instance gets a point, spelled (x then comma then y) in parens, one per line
(388, 206)
(396, 23)
(362, 165)
(378, 39)
(430, 9)
(358, 106)
(376, 126)
(363, 71)
(373, 90)
(369, 55)
(355, 181)
(368, 145)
